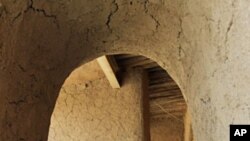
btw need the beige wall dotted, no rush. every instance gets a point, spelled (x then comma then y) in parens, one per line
(167, 129)
(94, 111)
(204, 45)
(188, 131)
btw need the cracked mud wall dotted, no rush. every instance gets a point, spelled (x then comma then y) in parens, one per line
(94, 111)
(218, 82)
(43, 41)
(204, 45)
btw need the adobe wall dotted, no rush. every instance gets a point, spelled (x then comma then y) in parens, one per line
(166, 129)
(188, 131)
(204, 45)
(94, 111)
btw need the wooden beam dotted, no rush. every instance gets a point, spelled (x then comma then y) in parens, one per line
(135, 61)
(109, 68)
(124, 56)
(155, 69)
(170, 85)
(176, 91)
(173, 111)
(166, 101)
(164, 116)
(165, 96)
(173, 107)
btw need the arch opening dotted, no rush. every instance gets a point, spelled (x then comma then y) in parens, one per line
(88, 108)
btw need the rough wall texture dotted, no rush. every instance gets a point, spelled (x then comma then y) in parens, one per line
(217, 78)
(204, 45)
(167, 129)
(188, 131)
(94, 111)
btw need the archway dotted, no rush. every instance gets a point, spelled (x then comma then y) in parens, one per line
(43, 41)
(40, 51)
(89, 109)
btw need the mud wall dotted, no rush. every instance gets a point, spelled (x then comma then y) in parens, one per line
(188, 131)
(204, 45)
(167, 129)
(94, 111)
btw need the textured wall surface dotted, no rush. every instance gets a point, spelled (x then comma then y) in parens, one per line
(167, 129)
(217, 78)
(94, 111)
(204, 45)
(188, 131)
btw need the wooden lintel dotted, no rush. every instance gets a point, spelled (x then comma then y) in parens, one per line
(109, 68)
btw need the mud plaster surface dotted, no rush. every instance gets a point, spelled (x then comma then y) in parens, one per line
(89, 109)
(94, 111)
(167, 129)
(204, 45)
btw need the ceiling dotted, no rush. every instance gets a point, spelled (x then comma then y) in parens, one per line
(166, 99)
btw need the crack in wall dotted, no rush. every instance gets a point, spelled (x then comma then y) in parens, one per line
(31, 6)
(228, 30)
(39, 10)
(231, 22)
(157, 23)
(115, 8)
(180, 33)
(21, 68)
(16, 17)
(17, 103)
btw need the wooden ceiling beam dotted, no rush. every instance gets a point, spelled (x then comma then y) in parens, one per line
(153, 107)
(150, 65)
(166, 92)
(170, 84)
(152, 97)
(109, 67)
(164, 116)
(124, 56)
(154, 69)
(158, 111)
(162, 88)
(135, 62)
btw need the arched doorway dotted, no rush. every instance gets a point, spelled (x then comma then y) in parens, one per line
(88, 108)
